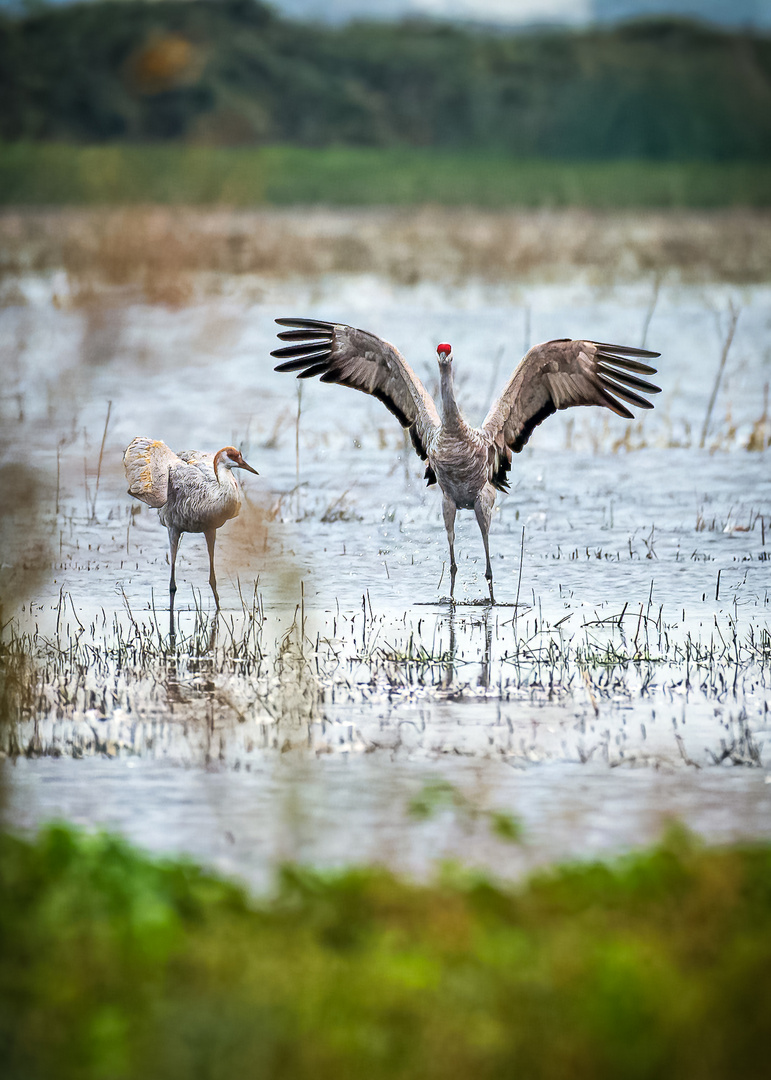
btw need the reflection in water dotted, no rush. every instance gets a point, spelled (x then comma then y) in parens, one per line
(484, 659)
(231, 687)
(450, 666)
(484, 677)
(204, 631)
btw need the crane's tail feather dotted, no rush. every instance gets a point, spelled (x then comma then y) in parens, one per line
(147, 462)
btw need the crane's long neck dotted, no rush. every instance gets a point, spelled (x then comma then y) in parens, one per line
(224, 474)
(451, 418)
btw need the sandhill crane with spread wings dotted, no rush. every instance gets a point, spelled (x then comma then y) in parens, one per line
(194, 492)
(469, 464)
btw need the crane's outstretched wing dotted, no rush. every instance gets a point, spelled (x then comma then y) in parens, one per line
(342, 354)
(557, 375)
(147, 463)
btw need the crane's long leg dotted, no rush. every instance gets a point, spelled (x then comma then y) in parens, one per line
(174, 536)
(449, 509)
(483, 508)
(211, 536)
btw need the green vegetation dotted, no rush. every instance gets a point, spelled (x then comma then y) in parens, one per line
(204, 102)
(119, 966)
(231, 72)
(440, 795)
(48, 174)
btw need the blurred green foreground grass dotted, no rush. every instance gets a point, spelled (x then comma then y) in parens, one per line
(116, 965)
(60, 174)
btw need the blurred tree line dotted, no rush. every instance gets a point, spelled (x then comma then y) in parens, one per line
(231, 72)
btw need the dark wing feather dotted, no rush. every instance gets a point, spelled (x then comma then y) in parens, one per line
(303, 335)
(558, 375)
(342, 354)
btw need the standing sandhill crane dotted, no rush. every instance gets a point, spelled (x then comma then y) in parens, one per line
(195, 492)
(469, 464)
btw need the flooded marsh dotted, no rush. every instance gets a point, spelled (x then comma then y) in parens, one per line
(622, 678)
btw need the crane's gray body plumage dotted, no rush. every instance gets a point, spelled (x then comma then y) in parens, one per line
(191, 495)
(469, 464)
(197, 499)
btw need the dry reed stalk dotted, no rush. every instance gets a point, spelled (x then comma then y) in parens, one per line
(651, 308)
(734, 313)
(161, 252)
(99, 465)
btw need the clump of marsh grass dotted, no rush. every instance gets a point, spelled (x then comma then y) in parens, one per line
(17, 692)
(165, 254)
(227, 688)
(132, 685)
(760, 436)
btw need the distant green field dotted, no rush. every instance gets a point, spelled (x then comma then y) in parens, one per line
(58, 174)
(117, 966)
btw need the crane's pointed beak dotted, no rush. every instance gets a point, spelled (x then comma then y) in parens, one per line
(243, 465)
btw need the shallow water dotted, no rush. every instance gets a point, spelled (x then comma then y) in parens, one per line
(333, 811)
(623, 676)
